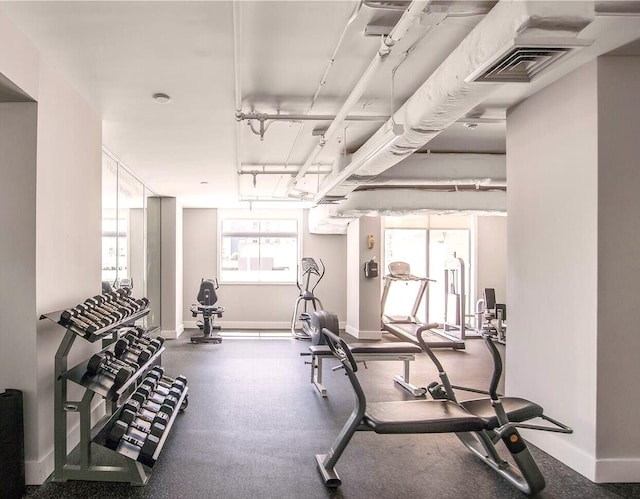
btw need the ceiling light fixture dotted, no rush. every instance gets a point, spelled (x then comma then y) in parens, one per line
(470, 125)
(161, 98)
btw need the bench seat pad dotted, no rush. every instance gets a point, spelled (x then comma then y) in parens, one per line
(518, 410)
(420, 416)
(395, 347)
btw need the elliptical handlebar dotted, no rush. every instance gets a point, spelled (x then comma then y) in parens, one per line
(309, 267)
(320, 275)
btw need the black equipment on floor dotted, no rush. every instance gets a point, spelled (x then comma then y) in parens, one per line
(207, 298)
(311, 272)
(492, 316)
(11, 444)
(480, 423)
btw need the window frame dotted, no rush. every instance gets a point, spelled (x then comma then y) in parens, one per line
(268, 215)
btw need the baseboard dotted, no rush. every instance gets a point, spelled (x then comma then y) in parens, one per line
(618, 470)
(173, 334)
(243, 325)
(363, 335)
(36, 472)
(559, 447)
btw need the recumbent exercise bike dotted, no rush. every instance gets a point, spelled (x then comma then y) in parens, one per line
(207, 298)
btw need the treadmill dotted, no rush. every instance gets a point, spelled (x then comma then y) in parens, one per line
(407, 327)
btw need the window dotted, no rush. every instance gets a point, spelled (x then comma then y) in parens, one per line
(258, 250)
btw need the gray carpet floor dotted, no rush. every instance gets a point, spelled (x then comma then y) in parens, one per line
(255, 422)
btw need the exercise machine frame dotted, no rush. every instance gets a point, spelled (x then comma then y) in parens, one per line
(479, 424)
(401, 272)
(207, 298)
(306, 296)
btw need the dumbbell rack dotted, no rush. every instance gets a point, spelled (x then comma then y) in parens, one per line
(133, 472)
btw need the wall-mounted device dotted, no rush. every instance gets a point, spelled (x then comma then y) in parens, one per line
(370, 241)
(371, 268)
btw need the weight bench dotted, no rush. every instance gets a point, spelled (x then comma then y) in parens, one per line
(479, 424)
(364, 352)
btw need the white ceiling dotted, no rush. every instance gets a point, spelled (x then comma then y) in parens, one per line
(118, 54)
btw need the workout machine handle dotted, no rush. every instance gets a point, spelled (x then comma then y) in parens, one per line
(557, 428)
(319, 277)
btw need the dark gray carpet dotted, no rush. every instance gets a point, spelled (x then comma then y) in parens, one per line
(255, 422)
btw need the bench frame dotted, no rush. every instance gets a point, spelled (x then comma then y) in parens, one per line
(403, 380)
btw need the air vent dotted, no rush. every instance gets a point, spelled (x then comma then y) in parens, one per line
(522, 62)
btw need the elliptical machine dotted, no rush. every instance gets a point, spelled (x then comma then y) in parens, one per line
(310, 271)
(207, 298)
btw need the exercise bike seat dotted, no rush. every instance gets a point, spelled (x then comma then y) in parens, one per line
(421, 416)
(517, 409)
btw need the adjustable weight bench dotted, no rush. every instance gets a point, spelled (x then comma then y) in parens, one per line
(479, 424)
(364, 352)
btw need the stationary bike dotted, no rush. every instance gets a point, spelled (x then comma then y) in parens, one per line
(311, 272)
(207, 298)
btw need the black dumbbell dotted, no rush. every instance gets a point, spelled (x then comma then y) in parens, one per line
(94, 315)
(149, 405)
(156, 428)
(121, 362)
(139, 303)
(97, 307)
(101, 363)
(147, 446)
(126, 348)
(151, 343)
(136, 331)
(151, 398)
(73, 316)
(136, 408)
(176, 390)
(116, 315)
(114, 299)
(160, 395)
(111, 307)
(179, 382)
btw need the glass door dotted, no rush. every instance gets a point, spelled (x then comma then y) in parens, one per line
(443, 243)
(410, 246)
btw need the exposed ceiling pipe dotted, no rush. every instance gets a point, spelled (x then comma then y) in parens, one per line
(323, 80)
(410, 15)
(237, 37)
(257, 171)
(416, 201)
(444, 181)
(448, 95)
(306, 117)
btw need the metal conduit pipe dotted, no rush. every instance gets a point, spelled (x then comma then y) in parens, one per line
(413, 12)
(306, 117)
(237, 21)
(323, 79)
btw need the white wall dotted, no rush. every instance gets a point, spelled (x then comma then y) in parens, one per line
(18, 132)
(353, 277)
(618, 437)
(552, 260)
(491, 257)
(136, 250)
(65, 247)
(363, 320)
(171, 273)
(69, 214)
(259, 306)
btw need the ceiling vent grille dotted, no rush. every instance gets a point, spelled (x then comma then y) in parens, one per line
(522, 62)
